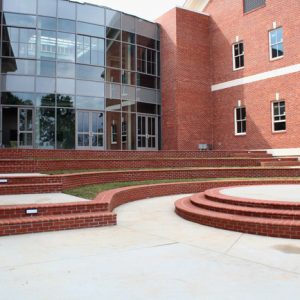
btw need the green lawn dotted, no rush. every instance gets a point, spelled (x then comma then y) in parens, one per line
(91, 191)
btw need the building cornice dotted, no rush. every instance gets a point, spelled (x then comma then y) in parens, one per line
(196, 5)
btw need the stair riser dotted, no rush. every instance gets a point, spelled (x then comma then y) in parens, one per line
(45, 226)
(292, 232)
(47, 210)
(249, 214)
(30, 189)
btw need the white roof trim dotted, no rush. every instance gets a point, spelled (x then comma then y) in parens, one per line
(196, 5)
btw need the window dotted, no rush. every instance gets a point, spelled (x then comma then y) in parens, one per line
(238, 55)
(240, 120)
(114, 133)
(253, 4)
(146, 60)
(279, 116)
(276, 43)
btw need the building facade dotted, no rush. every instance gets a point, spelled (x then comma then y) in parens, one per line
(78, 76)
(215, 74)
(236, 64)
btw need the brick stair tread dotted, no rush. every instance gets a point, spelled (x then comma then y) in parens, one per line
(199, 200)
(30, 220)
(186, 206)
(29, 185)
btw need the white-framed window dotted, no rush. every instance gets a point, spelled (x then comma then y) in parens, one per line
(276, 43)
(278, 116)
(238, 56)
(240, 125)
(114, 133)
(124, 131)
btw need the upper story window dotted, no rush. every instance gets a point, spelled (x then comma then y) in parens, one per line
(240, 120)
(253, 4)
(238, 55)
(276, 43)
(279, 116)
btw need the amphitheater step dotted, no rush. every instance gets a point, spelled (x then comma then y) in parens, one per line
(199, 200)
(21, 211)
(14, 189)
(246, 224)
(54, 223)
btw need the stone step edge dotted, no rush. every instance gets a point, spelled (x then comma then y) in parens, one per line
(199, 200)
(215, 195)
(250, 225)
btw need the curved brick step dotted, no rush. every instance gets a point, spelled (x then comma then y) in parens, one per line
(216, 195)
(19, 211)
(54, 223)
(245, 224)
(14, 189)
(199, 200)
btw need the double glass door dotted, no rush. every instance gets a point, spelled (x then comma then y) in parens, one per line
(90, 130)
(146, 132)
(25, 127)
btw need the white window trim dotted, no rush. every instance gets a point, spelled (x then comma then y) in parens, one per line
(270, 46)
(233, 56)
(235, 122)
(273, 121)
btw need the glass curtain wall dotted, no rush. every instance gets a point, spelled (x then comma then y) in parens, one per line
(60, 59)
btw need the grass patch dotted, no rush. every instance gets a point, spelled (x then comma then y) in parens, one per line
(91, 191)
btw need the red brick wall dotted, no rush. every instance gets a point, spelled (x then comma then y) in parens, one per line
(253, 28)
(185, 73)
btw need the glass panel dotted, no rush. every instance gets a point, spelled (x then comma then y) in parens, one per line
(97, 52)
(128, 37)
(90, 103)
(128, 57)
(146, 42)
(128, 78)
(45, 100)
(66, 46)
(25, 140)
(113, 75)
(90, 14)
(66, 10)
(18, 66)
(280, 126)
(97, 122)
(65, 86)
(46, 45)
(113, 125)
(45, 85)
(24, 7)
(66, 70)
(89, 73)
(146, 80)
(273, 37)
(146, 108)
(47, 8)
(280, 49)
(90, 88)
(65, 135)
(279, 35)
(90, 29)
(113, 104)
(128, 106)
(65, 100)
(20, 20)
(128, 23)
(113, 54)
(45, 128)
(66, 25)
(128, 131)
(47, 23)
(17, 83)
(113, 18)
(46, 68)
(17, 98)
(114, 34)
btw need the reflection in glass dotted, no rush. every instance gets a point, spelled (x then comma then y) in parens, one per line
(46, 68)
(65, 124)
(113, 104)
(128, 78)
(65, 100)
(90, 29)
(45, 128)
(66, 9)
(20, 20)
(17, 98)
(128, 131)
(113, 127)
(113, 18)
(46, 45)
(113, 54)
(113, 34)
(113, 75)
(146, 81)
(90, 14)
(47, 8)
(66, 25)
(45, 100)
(90, 73)
(128, 37)
(128, 57)
(18, 66)
(47, 23)
(66, 70)
(90, 103)
(66, 46)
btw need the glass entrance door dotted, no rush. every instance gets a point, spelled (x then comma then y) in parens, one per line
(146, 132)
(90, 130)
(25, 127)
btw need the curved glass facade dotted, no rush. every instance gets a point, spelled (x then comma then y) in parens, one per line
(77, 76)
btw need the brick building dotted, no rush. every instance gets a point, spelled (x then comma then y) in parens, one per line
(230, 74)
(218, 73)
